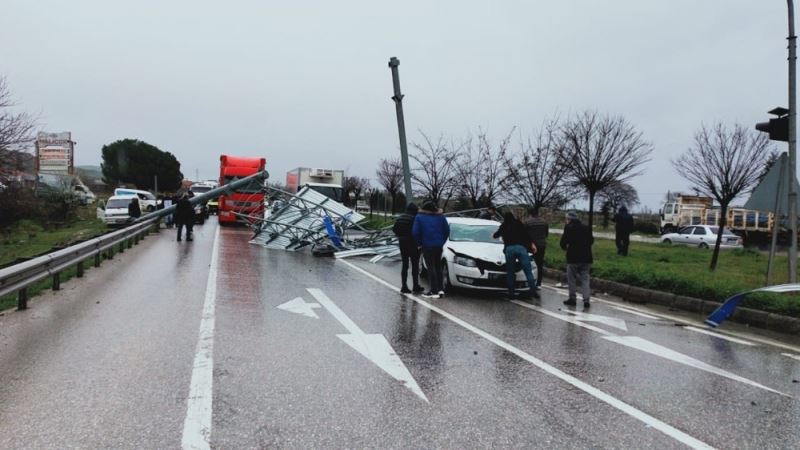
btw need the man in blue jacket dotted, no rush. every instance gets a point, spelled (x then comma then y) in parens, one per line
(431, 230)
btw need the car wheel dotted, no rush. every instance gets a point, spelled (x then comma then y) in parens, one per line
(151, 208)
(703, 245)
(667, 241)
(448, 287)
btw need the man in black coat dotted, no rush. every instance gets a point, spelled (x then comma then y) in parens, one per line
(538, 230)
(577, 240)
(624, 227)
(184, 217)
(516, 245)
(409, 251)
(134, 211)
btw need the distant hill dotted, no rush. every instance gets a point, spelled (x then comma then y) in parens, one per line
(89, 173)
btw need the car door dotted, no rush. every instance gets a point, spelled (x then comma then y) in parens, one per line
(684, 234)
(700, 236)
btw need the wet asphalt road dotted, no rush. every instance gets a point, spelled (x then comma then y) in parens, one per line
(109, 362)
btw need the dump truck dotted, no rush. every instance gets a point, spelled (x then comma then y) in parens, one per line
(683, 210)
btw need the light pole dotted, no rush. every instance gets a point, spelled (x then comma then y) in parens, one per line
(401, 127)
(792, 144)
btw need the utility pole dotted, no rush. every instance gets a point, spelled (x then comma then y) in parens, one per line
(792, 144)
(401, 127)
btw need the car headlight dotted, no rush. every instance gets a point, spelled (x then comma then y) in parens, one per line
(464, 261)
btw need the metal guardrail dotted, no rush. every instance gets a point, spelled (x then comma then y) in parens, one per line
(19, 277)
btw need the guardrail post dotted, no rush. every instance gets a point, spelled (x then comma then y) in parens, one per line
(122, 247)
(136, 239)
(110, 252)
(57, 281)
(97, 259)
(130, 243)
(80, 269)
(22, 299)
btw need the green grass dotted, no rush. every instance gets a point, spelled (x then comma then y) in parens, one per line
(684, 271)
(376, 222)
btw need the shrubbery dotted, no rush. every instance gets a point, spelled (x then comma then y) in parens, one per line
(17, 203)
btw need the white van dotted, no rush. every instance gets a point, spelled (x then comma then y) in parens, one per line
(116, 209)
(147, 200)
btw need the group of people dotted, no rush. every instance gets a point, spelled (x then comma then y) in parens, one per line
(183, 216)
(424, 232)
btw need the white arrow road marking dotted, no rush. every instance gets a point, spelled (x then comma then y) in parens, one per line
(664, 352)
(635, 313)
(721, 336)
(610, 321)
(565, 318)
(374, 347)
(789, 355)
(298, 306)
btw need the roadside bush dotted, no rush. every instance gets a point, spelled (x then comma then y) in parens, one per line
(646, 227)
(18, 203)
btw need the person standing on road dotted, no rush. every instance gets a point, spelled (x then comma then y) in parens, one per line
(409, 251)
(538, 230)
(623, 225)
(430, 231)
(184, 217)
(516, 244)
(577, 240)
(134, 210)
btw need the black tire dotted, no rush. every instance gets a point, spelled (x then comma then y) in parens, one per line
(448, 287)
(703, 245)
(150, 208)
(667, 241)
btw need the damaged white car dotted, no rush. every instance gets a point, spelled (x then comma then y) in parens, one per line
(473, 259)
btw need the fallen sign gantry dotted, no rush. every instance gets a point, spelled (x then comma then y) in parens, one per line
(310, 218)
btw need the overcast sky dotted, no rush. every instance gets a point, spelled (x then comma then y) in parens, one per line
(306, 83)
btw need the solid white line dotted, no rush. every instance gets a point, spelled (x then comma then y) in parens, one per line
(591, 390)
(789, 355)
(635, 313)
(721, 336)
(197, 426)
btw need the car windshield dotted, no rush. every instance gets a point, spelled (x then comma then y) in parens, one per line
(251, 188)
(200, 189)
(118, 203)
(725, 232)
(473, 233)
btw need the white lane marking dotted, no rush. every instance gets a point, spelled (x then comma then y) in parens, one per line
(565, 318)
(197, 426)
(374, 347)
(664, 352)
(298, 306)
(610, 321)
(635, 313)
(789, 355)
(721, 336)
(637, 414)
(682, 320)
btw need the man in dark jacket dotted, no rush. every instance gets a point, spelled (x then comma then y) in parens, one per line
(489, 214)
(431, 231)
(516, 244)
(409, 251)
(184, 216)
(624, 227)
(538, 230)
(577, 240)
(134, 210)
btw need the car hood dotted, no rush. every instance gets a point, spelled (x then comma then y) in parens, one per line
(485, 251)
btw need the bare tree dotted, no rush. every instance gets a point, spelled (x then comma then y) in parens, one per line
(600, 150)
(536, 175)
(16, 130)
(619, 194)
(480, 169)
(361, 185)
(390, 176)
(723, 163)
(435, 175)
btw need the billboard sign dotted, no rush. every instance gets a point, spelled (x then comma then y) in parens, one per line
(55, 152)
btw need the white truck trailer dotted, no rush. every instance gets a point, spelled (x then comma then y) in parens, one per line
(327, 182)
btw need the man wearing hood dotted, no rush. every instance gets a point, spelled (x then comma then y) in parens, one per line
(624, 227)
(409, 251)
(430, 231)
(516, 244)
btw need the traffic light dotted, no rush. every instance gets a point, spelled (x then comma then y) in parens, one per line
(778, 129)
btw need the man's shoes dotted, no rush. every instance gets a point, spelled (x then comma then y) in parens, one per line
(570, 302)
(441, 294)
(586, 303)
(511, 296)
(535, 294)
(405, 290)
(430, 294)
(418, 289)
(179, 239)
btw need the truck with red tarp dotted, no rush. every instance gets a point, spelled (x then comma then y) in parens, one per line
(248, 200)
